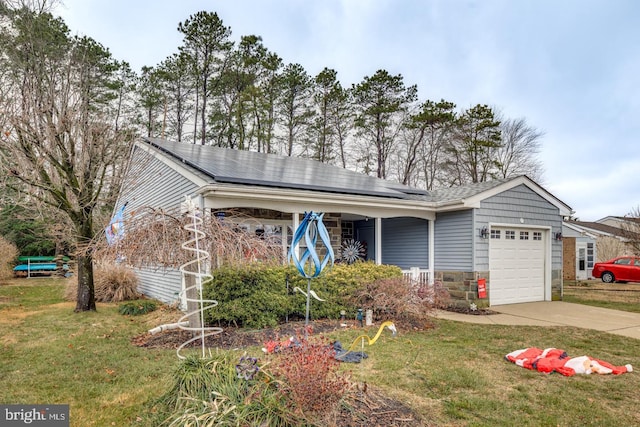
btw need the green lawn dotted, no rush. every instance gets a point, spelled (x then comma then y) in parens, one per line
(453, 375)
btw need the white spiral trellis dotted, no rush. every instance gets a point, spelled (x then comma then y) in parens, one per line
(196, 269)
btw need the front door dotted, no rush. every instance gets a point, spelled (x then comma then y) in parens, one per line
(581, 261)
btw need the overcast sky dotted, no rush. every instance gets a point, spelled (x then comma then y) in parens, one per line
(570, 68)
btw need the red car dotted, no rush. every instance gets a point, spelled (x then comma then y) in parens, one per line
(621, 269)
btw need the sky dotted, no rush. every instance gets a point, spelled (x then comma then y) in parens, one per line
(570, 68)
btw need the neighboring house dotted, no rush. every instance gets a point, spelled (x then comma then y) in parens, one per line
(579, 251)
(507, 232)
(609, 237)
(618, 221)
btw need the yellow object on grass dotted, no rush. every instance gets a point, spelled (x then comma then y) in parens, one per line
(389, 324)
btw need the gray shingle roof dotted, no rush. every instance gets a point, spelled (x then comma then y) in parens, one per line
(604, 228)
(244, 167)
(465, 191)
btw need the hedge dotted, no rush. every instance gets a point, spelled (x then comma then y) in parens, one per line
(258, 296)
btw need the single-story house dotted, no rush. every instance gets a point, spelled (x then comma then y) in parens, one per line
(579, 251)
(596, 241)
(505, 233)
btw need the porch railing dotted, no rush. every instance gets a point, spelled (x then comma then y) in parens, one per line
(418, 276)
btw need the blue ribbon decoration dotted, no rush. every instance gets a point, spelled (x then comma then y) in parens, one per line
(310, 228)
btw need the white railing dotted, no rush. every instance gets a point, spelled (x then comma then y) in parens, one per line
(419, 276)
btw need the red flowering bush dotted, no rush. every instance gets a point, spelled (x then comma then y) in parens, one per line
(310, 378)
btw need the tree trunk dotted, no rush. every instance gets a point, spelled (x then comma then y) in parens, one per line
(86, 300)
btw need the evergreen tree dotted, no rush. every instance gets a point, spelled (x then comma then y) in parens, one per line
(475, 140)
(381, 102)
(293, 110)
(206, 47)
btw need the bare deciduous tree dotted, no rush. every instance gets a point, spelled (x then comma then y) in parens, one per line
(608, 247)
(631, 230)
(154, 239)
(59, 148)
(520, 146)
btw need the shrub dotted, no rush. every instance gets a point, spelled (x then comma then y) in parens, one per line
(259, 296)
(301, 386)
(113, 283)
(8, 255)
(252, 296)
(311, 379)
(398, 298)
(136, 308)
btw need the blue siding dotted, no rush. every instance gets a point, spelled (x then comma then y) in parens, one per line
(405, 242)
(160, 284)
(508, 208)
(151, 183)
(454, 241)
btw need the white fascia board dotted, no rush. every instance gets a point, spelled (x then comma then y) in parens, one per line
(582, 231)
(188, 172)
(598, 233)
(220, 196)
(474, 201)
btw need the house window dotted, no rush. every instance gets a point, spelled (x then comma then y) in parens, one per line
(510, 235)
(590, 256)
(524, 235)
(537, 235)
(495, 234)
(275, 233)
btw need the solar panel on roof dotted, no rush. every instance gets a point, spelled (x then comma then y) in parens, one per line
(248, 167)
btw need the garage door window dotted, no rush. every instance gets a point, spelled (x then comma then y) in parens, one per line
(537, 235)
(524, 235)
(510, 235)
(495, 234)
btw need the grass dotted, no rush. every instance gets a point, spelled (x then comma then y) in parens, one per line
(453, 375)
(619, 296)
(51, 355)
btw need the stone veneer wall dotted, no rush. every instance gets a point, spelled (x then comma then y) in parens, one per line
(331, 221)
(557, 291)
(463, 286)
(347, 230)
(334, 226)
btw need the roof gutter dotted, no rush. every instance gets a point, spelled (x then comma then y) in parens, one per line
(219, 196)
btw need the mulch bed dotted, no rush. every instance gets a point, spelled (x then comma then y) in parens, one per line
(367, 407)
(233, 337)
(468, 310)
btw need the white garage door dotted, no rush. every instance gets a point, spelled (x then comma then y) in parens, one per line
(516, 261)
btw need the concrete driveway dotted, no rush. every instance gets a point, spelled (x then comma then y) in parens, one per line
(556, 313)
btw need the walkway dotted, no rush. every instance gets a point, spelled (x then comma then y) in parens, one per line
(556, 313)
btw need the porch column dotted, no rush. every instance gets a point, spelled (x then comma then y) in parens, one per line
(432, 250)
(295, 220)
(378, 239)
